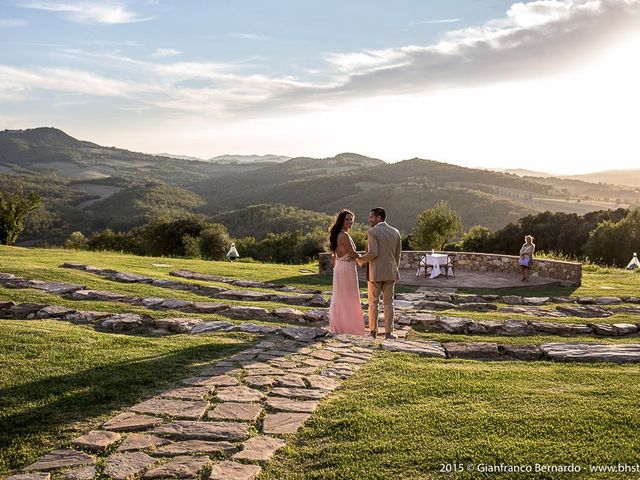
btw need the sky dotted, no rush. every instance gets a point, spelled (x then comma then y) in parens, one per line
(546, 85)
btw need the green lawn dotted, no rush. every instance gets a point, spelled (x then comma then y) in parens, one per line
(404, 417)
(596, 282)
(58, 380)
(44, 263)
(401, 417)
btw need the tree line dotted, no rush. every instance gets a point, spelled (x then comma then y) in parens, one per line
(608, 237)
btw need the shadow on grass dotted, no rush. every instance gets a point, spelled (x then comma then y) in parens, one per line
(34, 416)
(321, 282)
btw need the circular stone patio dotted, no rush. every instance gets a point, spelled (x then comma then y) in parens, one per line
(469, 279)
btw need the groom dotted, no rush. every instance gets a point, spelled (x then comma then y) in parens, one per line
(383, 256)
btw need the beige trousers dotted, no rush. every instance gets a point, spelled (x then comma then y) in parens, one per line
(374, 290)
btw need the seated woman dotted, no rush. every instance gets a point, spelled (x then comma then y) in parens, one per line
(526, 257)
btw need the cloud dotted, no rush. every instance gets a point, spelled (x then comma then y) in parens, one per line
(19, 80)
(532, 40)
(12, 22)
(89, 11)
(165, 52)
(430, 22)
(249, 36)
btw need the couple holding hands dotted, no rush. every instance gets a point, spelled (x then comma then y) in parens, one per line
(382, 258)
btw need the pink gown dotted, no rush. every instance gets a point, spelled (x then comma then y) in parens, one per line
(345, 312)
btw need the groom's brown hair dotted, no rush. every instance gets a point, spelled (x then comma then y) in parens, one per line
(379, 212)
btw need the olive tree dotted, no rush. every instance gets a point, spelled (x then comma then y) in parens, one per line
(14, 208)
(436, 227)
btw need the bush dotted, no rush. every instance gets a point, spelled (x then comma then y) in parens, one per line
(614, 243)
(214, 242)
(191, 247)
(114, 241)
(76, 241)
(286, 247)
(477, 239)
(165, 238)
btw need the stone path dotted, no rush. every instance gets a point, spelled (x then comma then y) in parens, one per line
(224, 423)
(313, 298)
(231, 418)
(79, 292)
(431, 322)
(414, 309)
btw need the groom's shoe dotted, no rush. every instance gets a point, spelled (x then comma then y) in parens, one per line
(373, 334)
(390, 336)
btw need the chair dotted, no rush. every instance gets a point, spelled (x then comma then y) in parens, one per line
(450, 266)
(424, 267)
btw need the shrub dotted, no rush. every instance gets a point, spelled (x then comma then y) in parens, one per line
(76, 241)
(214, 242)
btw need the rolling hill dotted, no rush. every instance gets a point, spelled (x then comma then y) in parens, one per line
(87, 187)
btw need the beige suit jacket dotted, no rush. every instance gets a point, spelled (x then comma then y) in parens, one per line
(383, 253)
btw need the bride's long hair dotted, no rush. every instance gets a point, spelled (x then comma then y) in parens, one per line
(336, 228)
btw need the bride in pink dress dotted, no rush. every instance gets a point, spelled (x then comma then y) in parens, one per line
(345, 312)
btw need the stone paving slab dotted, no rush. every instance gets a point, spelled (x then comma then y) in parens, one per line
(131, 422)
(188, 393)
(307, 393)
(189, 447)
(60, 459)
(264, 369)
(320, 382)
(291, 380)
(141, 441)
(213, 381)
(236, 411)
(585, 352)
(472, 350)
(219, 369)
(286, 405)
(97, 440)
(180, 467)
(190, 430)
(124, 465)
(260, 448)
(427, 349)
(29, 476)
(173, 408)
(80, 473)
(283, 423)
(239, 394)
(259, 381)
(521, 352)
(234, 471)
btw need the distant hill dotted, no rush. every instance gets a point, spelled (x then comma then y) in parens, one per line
(88, 187)
(259, 220)
(629, 178)
(181, 157)
(234, 159)
(51, 151)
(136, 206)
(523, 172)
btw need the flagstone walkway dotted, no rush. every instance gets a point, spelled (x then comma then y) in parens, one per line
(226, 421)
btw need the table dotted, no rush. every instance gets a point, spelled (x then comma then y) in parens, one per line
(436, 259)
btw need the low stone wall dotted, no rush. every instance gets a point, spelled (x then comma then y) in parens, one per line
(569, 272)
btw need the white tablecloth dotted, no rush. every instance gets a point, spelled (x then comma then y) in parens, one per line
(433, 259)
